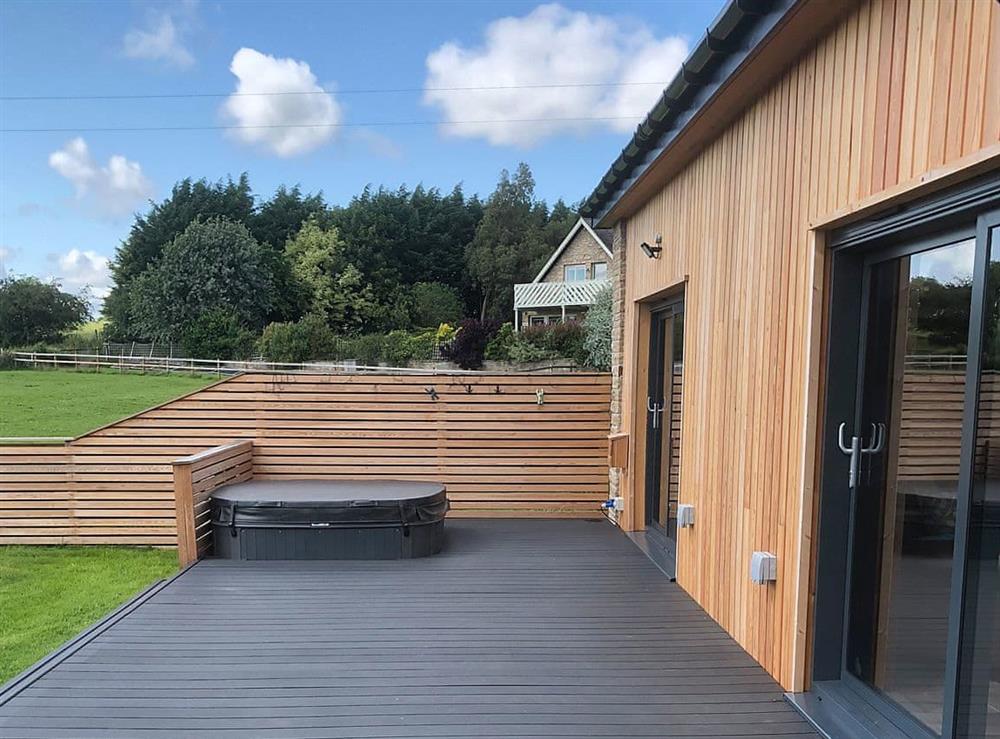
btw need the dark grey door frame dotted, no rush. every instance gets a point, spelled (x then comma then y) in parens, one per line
(674, 306)
(964, 211)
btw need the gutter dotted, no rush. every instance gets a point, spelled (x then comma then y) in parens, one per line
(728, 43)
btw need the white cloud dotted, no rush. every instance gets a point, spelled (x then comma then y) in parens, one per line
(161, 39)
(115, 188)
(81, 271)
(550, 45)
(265, 117)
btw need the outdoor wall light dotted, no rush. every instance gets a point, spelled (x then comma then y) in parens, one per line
(653, 252)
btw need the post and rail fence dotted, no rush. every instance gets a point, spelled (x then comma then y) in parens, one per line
(226, 367)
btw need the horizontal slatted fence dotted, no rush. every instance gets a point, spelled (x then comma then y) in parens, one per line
(498, 450)
(931, 425)
(195, 479)
(36, 500)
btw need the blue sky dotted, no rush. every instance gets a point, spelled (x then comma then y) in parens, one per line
(67, 196)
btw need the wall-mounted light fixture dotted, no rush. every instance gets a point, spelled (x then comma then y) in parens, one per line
(653, 252)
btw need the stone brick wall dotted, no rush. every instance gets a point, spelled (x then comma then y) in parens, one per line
(583, 249)
(616, 273)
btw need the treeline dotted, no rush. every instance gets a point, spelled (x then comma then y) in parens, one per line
(212, 259)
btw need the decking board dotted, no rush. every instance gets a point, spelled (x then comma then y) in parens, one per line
(526, 628)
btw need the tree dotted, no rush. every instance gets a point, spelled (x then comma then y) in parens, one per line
(188, 201)
(277, 220)
(213, 264)
(217, 334)
(314, 256)
(434, 304)
(509, 245)
(354, 307)
(559, 221)
(397, 238)
(940, 315)
(33, 311)
(334, 289)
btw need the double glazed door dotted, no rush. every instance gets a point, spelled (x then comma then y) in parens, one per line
(919, 444)
(663, 419)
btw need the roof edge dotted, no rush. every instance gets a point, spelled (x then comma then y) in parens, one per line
(581, 222)
(731, 40)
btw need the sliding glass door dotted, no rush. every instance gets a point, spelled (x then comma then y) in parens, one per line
(663, 419)
(908, 601)
(909, 418)
(977, 668)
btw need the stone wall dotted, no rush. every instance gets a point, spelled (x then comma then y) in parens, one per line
(616, 273)
(583, 249)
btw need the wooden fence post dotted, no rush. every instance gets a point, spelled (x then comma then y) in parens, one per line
(187, 546)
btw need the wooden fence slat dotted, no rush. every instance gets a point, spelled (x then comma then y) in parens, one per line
(486, 437)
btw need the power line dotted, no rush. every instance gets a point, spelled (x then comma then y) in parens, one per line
(124, 129)
(354, 91)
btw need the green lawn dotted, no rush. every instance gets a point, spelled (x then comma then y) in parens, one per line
(67, 403)
(50, 594)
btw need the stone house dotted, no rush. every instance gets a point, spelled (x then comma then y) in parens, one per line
(567, 284)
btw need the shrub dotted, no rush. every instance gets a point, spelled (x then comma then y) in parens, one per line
(434, 303)
(597, 331)
(498, 350)
(366, 350)
(217, 334)
(305, 340)
(423, 345)
(555, 340)
(397, 349)
(468, 347)
(444, 334)
(524, 351)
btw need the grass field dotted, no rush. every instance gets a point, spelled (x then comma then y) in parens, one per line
(50, 594)
(67, 403)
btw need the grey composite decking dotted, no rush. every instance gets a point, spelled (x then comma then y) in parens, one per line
(519, 629)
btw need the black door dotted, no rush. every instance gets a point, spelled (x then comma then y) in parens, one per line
(663, 408)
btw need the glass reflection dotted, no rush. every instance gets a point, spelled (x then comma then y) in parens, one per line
(979, 653)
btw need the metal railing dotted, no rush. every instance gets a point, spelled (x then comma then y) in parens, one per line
(938, 362)
(225, 367)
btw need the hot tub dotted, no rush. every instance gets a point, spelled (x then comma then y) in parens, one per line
(328, 519)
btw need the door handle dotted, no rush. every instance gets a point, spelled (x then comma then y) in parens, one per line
(656, 409)
(878, 440)
(854, 452)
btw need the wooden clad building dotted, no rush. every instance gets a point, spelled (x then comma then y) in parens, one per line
(806, 229)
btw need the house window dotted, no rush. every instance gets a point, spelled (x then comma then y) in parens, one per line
(575, 272)
(537, 320)
(599, 270)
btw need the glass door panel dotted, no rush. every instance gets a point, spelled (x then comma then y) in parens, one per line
(978, 713)
(663, 419)
(672, 390)
(909, 418)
